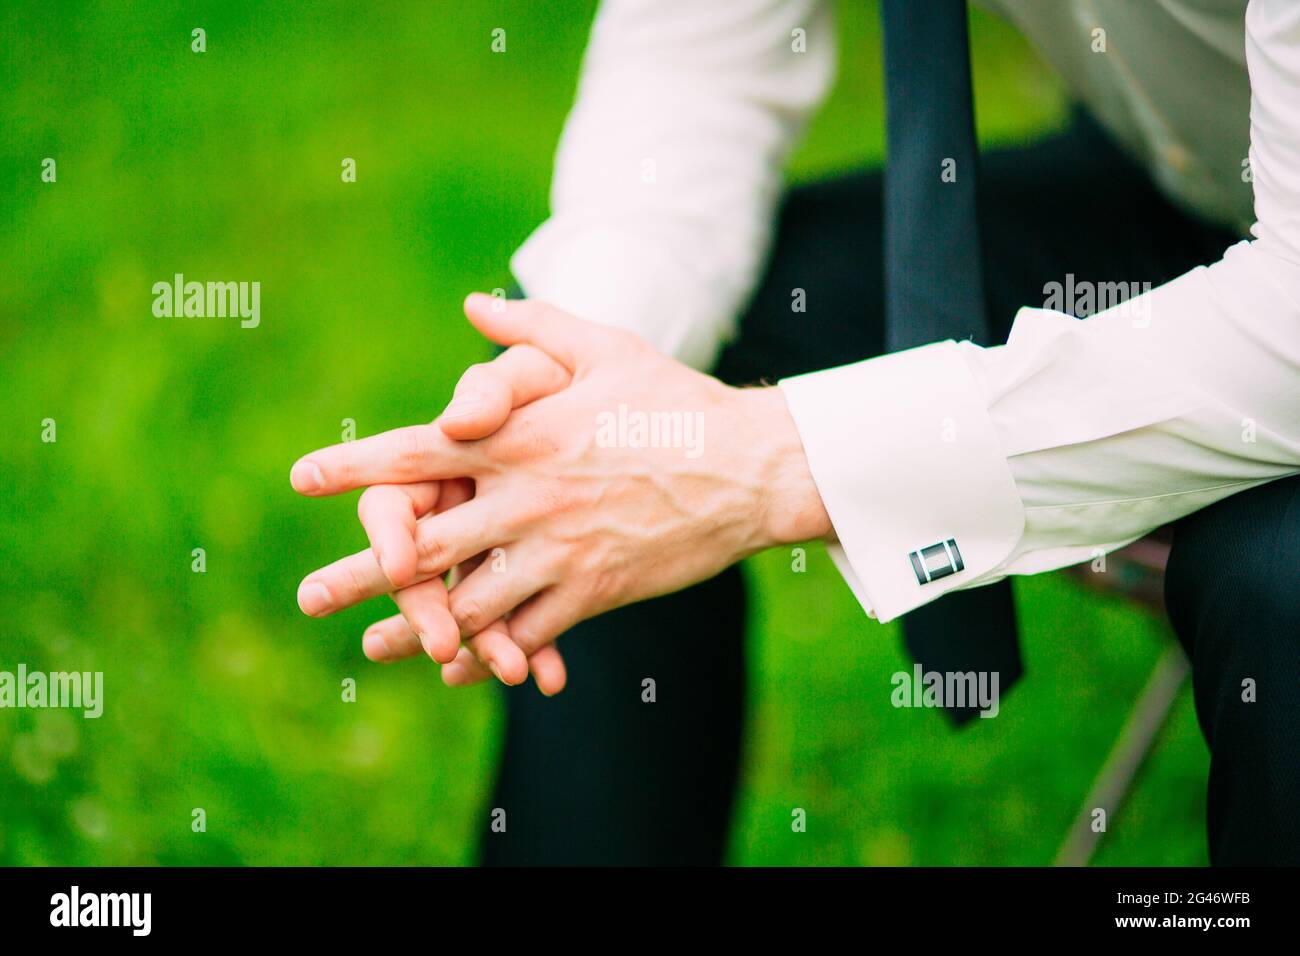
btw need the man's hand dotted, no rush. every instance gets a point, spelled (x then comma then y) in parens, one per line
(484, 397)
(425, 624)
(639, 478)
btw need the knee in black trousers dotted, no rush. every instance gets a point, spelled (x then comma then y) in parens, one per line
(635, 763)
(1233, 595)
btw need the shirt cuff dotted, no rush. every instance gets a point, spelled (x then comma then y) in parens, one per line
(910, 470)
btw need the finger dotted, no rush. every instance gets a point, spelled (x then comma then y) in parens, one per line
(390, 640)
(571, 341)
(547, 667)
(549, 671)
(541, 620)
(487, 393)
(496, 651)
(424, 606)
(400, 456)
(458, 535)
(346, 582)
(494, 589)
(388, 513)
(450, 537)
(465, 670)
(455, 491)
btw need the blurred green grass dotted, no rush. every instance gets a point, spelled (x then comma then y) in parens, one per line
(178, 434)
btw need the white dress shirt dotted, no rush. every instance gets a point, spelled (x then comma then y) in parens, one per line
(1073, 438)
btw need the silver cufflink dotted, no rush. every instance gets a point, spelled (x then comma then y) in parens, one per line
(937, 561)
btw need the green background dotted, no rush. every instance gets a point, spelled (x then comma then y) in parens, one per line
(175, 434)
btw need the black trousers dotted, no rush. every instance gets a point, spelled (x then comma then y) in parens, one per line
(595, 776)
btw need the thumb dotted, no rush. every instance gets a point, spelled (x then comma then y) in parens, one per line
(571, 341)
(487, 393)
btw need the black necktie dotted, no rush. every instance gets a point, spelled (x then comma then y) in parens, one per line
(934, 282)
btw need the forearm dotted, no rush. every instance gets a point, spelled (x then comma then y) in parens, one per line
(670, 165)
(1139, 416)
(1076, 436)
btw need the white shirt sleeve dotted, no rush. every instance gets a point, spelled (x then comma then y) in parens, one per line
(670, 164)
(1077, 436)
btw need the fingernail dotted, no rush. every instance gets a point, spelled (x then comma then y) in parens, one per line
(306, 477)
(496, 672)
(374, 645)
(463, 405)
(314, 599)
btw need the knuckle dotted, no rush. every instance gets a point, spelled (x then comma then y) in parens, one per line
(411, 449)
(525, 439)
(432, 553)
(523, 351)
(344, 471)
(353, 581)
(625, 339)
(530, 356)
(527, 639)
(478, 375)
(470, 615)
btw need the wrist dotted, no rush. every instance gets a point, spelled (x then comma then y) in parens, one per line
(790, 508)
